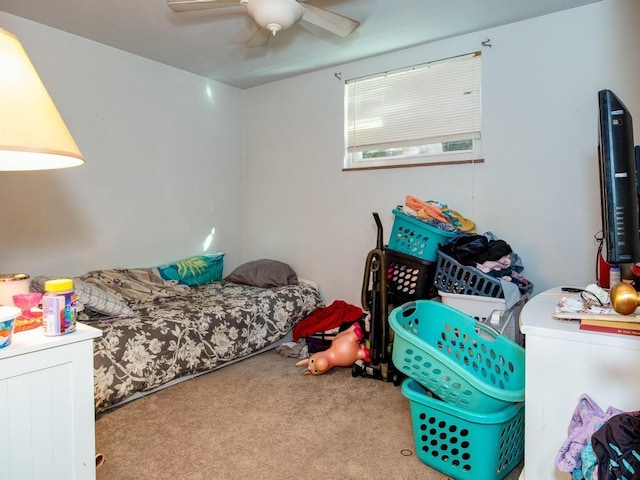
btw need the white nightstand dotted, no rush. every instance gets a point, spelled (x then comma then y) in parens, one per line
(47, 410)
(563, 362)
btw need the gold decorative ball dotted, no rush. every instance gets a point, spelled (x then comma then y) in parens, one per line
(624, 298)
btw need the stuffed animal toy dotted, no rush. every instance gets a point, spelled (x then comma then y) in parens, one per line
(345, 349)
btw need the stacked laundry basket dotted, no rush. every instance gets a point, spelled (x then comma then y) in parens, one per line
(479, 295)
(465, 388)
(466, 379)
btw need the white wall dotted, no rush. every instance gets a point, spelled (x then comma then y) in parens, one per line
(538, 189)
(163, 152)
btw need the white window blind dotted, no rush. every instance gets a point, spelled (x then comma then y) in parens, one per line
(390, 114)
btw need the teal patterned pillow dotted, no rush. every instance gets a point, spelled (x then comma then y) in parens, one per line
(195, 270)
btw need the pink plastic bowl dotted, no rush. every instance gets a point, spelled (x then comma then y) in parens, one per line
(26, 301)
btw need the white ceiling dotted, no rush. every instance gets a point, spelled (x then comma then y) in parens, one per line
(202, 42)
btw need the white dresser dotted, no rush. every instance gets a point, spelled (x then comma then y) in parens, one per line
(47, 406)
(563, 362)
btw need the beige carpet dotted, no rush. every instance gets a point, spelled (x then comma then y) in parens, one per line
(262, 419)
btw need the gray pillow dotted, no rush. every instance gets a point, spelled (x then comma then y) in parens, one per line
(263, 273)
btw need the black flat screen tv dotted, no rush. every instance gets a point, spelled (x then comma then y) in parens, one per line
(618, 181)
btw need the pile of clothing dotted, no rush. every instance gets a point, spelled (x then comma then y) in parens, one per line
(315, 332)
(601, 445)
(437, 214)
(487, 253)
(490, 255)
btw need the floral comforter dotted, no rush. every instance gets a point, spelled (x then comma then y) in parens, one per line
(181, 335)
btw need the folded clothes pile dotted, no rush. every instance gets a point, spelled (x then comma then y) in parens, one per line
(437, 214)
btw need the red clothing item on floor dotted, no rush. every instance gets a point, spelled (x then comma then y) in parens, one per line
(326, 318)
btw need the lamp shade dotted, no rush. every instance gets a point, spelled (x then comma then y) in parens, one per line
(33, 135)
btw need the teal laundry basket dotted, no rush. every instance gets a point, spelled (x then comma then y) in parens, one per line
(461, 360)
(463, 444)
(416, 237)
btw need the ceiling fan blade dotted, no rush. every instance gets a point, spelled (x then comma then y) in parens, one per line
(192, 5)
(245, 33)
(333, 22)
(251, 35)
(259, 38)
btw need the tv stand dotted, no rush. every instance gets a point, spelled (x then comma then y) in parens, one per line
(563, 362)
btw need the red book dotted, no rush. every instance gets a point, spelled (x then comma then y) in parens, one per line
(623, 328)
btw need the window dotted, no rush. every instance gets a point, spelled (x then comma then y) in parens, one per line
(414, 116)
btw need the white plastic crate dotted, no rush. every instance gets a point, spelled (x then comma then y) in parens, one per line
(481, 308)
(475, 306)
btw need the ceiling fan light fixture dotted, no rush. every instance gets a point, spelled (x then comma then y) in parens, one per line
(275, 15)
(274, 28)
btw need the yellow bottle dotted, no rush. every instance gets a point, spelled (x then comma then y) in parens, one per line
(58, 307)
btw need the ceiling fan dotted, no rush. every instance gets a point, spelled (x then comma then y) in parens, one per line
(272, 16)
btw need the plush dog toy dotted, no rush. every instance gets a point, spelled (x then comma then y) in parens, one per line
(346, 348)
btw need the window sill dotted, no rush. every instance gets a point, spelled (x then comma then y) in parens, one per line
(409, 165)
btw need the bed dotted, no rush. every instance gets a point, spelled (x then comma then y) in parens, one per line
(158, 331)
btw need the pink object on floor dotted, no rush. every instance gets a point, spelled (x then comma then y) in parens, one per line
(345, 349)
